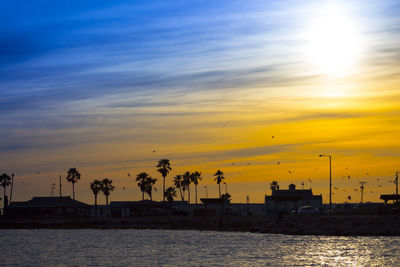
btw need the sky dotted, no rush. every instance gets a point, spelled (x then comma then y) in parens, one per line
(111, 87)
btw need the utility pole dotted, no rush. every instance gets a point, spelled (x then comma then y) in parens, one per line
(362, 189)
(60, 187)
(53, 186)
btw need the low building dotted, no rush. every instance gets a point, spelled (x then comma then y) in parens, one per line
(48, 207)
(292, 199)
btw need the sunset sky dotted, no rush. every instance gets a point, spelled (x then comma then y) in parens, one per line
(111, 87)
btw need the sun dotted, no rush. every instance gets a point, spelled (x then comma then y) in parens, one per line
(333, 41)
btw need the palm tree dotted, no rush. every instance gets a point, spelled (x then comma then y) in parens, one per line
(178, 184)
(73, 177)
(149, 186)
(95, 186)
(141, 178)
(5, 180)
(195, 177)
(164, 167)
(226, 196)
(219, 176)
(274, 186)
(106, 188)
(186, 183)
(170, 193)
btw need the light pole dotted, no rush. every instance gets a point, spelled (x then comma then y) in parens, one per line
(330, 178)
(206, 191)
(226, 188)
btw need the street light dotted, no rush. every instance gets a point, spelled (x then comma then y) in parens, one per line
(330, 178)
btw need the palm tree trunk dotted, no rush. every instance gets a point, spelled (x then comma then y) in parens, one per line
(180, 190)
(95, 205)
(189, 194)
(73, 190)
(4, 198)
(142, 195)
(219, 189)
(195, 188)
(107, 200)
(163, 186)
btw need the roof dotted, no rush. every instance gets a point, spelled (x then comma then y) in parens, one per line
(293, 195)
(45, 202)
(122, 204)
(390, 197)
(212, 200)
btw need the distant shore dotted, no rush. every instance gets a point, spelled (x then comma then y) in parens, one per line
(333, 225)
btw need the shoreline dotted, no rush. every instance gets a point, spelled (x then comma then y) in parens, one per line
(327, 225)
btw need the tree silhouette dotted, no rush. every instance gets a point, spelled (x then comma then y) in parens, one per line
(170, 193)
(178, 184)
(5, 180)
(219, 176)
(186, 183)
(106, 188)
(141, 178)
(95, 186)
(274, 185)
(195, 177)
(73, 177)
(150, 182)
(164, 167)
(226, 196)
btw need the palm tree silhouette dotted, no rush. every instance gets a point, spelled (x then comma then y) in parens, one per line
(73, 177)
(219, 176)
(274, 185)
(149, 186)
(186, 182)
(195, 177)
(170, 193)
(95, 186)
(178, 184)
(164, 168)
(106, 188)
(226, 196)
(141, 178)
(5, 180)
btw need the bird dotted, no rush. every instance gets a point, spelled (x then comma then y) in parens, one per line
(123, 188)
(346, 168)
(336, 188)
(348, 176)
(289, 171)
(367, 173)
(154, 151)
(356, 190)
(129, 175)
(371, 192)
(349, 197)
(273, 136)
(377, 179)
(317, 168)
(233, 163)
(379, 185)
(279, 162)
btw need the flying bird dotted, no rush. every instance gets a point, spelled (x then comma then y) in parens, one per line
(349, 197)
(123, 188)
(129, 175)
(336, 188)
(356, 190)
(154, 151)
(348, 177)
(273, 136)
(371, 192)
(289, 171)
(279, 162)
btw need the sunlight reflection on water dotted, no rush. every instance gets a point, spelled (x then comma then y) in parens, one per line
(194, 248)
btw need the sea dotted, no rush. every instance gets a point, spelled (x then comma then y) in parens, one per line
(90, 247)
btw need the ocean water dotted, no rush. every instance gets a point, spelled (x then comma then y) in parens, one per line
(91, 247)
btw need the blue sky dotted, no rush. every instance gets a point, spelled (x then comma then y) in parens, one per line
(79, 77)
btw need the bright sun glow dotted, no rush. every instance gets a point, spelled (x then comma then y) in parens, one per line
(333, 42)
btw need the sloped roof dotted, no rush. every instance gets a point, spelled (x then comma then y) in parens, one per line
(44, 202)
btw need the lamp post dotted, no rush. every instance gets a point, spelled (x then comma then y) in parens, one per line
(330, 179)
(206, 191)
